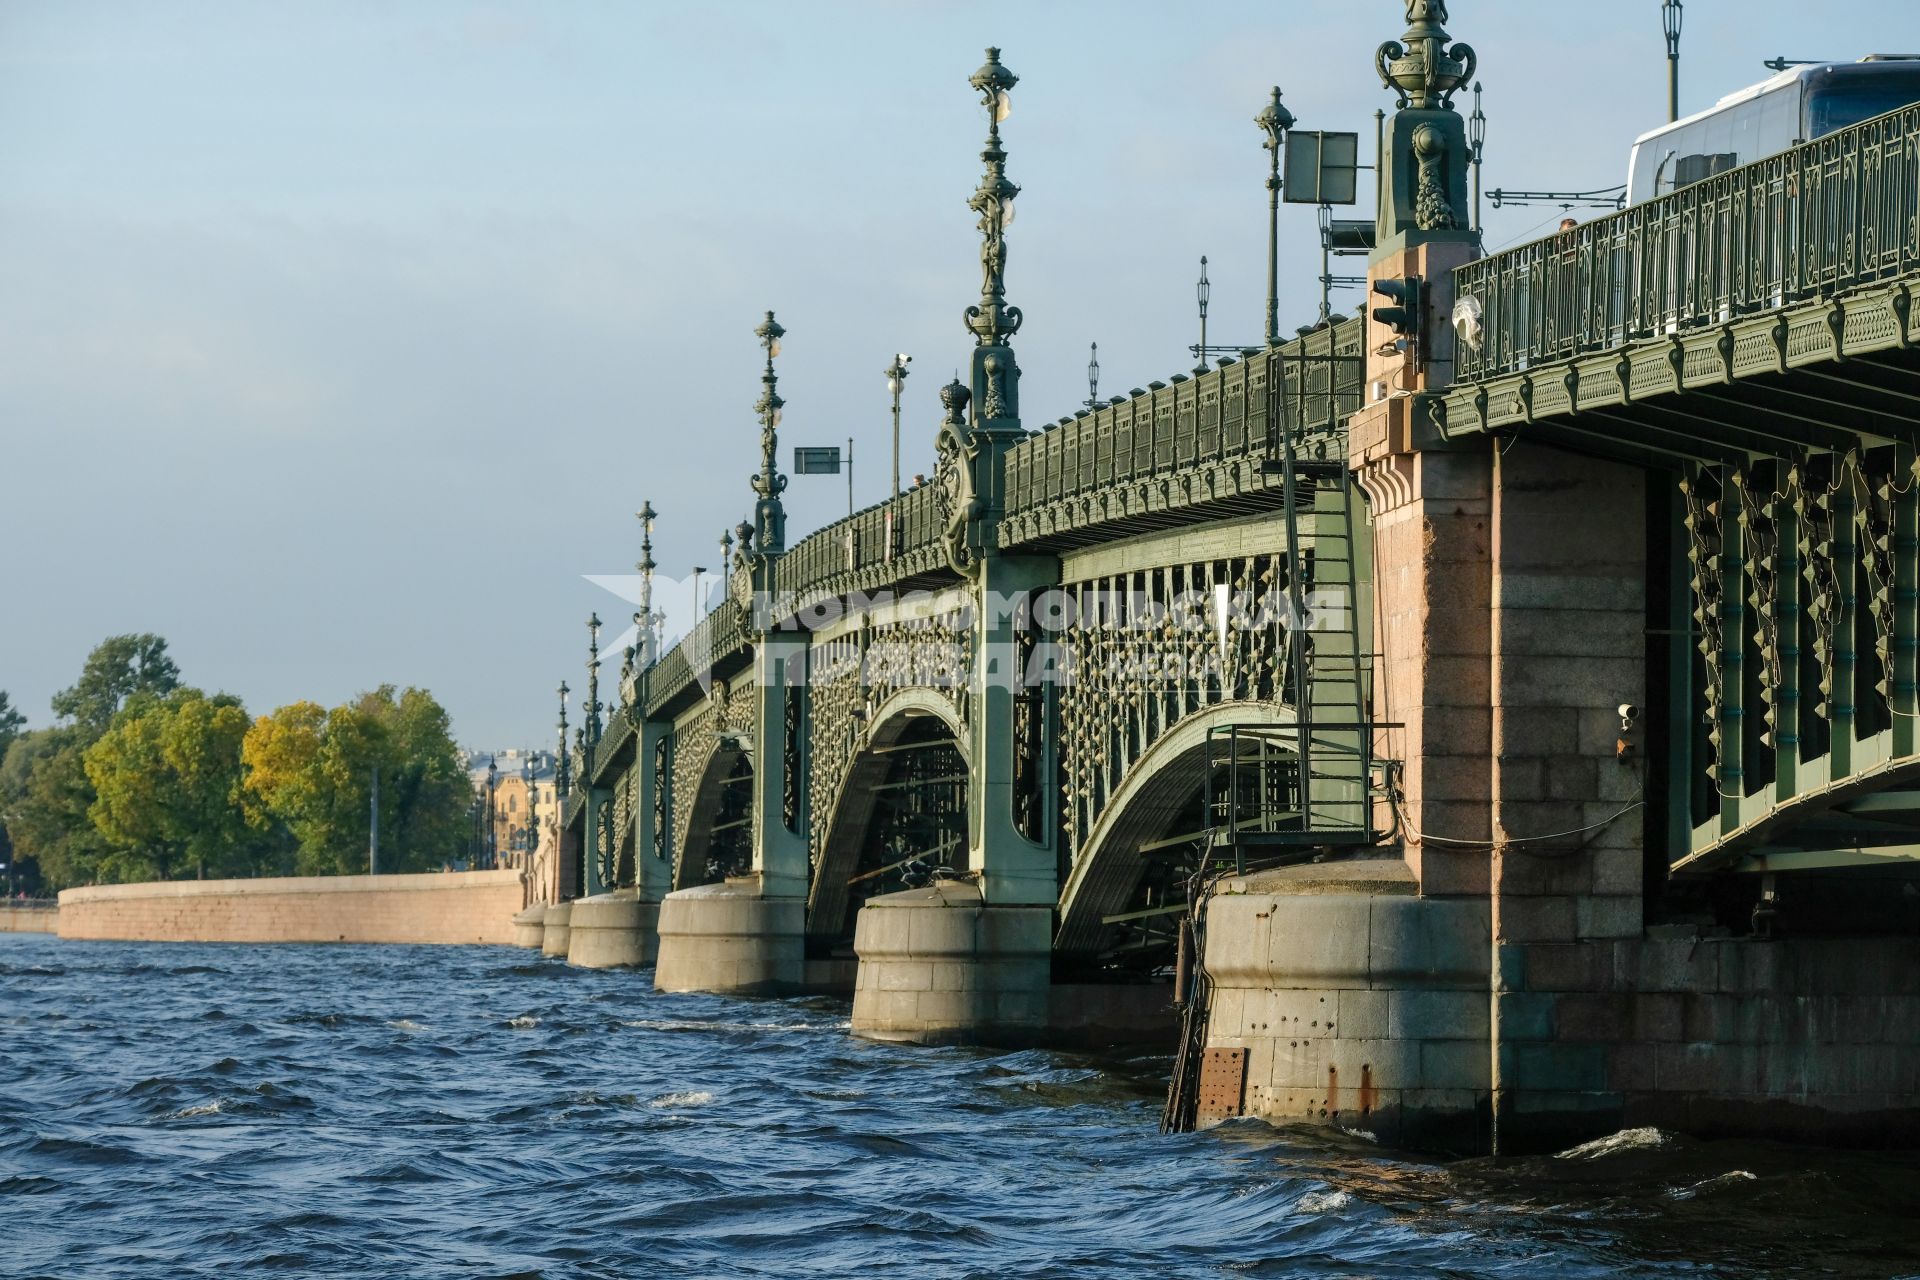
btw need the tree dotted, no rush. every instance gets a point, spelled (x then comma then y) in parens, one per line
(44, 798)
(119, 668)
(312, 770)
(11, 723)
(167, 782)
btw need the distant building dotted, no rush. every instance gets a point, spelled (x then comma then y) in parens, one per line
(514, 840)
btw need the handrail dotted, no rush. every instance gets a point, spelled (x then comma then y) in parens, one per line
(1216, 416)
(1829, 215)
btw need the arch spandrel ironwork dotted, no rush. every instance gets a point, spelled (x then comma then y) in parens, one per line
(850, 679)
(704, 746)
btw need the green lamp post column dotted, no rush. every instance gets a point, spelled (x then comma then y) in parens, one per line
(644, 618)
(562, 766)
(779, 656)
(983, 425)
(1274, 121)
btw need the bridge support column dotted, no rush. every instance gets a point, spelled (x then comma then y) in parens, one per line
(619, 928)
(972, 961)
(748, 933)
(1570, 609)
(940, 966)
(556, 932)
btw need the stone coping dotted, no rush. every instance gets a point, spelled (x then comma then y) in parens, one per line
(1362, 875)
(290, 884)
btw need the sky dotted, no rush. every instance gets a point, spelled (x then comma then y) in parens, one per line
(340, 339)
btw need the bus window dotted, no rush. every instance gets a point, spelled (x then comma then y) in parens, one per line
(1835, 102)
(1691, 169)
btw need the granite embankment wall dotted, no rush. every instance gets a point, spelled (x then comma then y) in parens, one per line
(447, 907)
(28, 919)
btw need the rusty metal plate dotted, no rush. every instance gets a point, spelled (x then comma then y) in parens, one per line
(1223, 1086)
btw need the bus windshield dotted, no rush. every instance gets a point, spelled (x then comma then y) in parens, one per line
(1835, 106)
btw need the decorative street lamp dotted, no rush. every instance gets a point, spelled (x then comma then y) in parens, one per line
(697, 571)
(592, 727)
(1204, 291)
(531, 836)
(896, 383)
(770, 515)
(992, 321)
(645, 618)
(1093, 378)
(1670, 17)
(1274, 121)
(726, 557)
(562, 767)
(1477, 139)
(493, 817)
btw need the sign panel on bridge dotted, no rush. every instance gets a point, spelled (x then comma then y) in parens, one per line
(817, 461)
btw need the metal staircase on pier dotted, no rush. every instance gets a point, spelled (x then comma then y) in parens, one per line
(1287, 793)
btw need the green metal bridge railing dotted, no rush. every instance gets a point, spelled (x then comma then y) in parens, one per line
(1219, 416)
(1827, 216)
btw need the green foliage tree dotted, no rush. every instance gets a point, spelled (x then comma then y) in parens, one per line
(11, 723)
(45, 798)
(119, 668)
(167, 783)
(312, 770)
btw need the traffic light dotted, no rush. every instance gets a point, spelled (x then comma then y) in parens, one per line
(1407, 316)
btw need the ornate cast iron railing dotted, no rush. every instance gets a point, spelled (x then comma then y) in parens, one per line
(1831, 215)
(719, 634)
(1217, 417)
(853, 554)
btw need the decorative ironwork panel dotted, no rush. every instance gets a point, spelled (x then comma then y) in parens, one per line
(851, 676)
(728, 711)
(1150, 648)
(662, 765)
(1806, 604)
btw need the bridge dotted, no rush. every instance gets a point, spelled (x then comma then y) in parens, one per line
(1483, 723)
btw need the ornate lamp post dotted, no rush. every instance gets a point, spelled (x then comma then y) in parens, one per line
(493, 815)
(769, 514)
(1274, 121)
(1670, 17)
(1203, 289)
(645, 618)
(562, 767)
(992, 321)
(896, 383)
(1093, 377)
(530, 839)
(726, 559)
(592, 727)
(1476, 139)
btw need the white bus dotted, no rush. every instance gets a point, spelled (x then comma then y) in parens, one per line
(1798, 105)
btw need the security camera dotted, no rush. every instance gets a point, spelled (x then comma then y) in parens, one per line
(1628, 714)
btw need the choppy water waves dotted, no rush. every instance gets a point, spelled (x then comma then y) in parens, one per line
(395, 1111)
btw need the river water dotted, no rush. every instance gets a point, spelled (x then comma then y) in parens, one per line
(173, 1111)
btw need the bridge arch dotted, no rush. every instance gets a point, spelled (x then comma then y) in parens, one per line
(718, 839)
(906, 784)
(1156, 800)
(711, 789)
